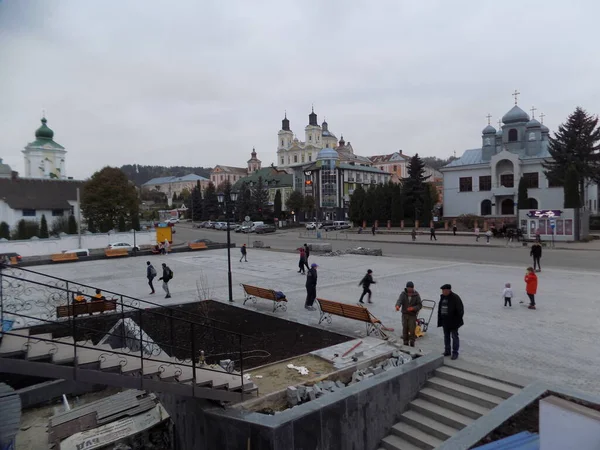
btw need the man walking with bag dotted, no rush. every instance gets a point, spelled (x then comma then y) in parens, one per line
(311, 287)
(411, 304)
(166, 277)
(150, 274)
(450, 318)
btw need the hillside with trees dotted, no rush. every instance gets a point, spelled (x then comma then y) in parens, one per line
(140, 174)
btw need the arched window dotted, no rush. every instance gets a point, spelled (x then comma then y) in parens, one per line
(486, 208)
(532, 203)
(513, 135)
(507, 207)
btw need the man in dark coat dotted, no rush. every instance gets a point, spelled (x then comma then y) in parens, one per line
(306, 255)
(150, 274)
(311, 287)
(450, 318)
(536, 253)
(366, 283)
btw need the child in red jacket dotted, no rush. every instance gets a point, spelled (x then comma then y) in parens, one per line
(531, 284)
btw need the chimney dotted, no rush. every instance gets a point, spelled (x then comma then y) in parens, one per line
(400, 151)
(14, 175)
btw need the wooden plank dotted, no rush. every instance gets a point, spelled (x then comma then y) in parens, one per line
(62, 257)
(197, 246)
(112, 252)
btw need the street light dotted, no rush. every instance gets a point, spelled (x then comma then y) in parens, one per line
(227, 203)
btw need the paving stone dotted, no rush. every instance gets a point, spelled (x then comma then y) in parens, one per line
(292, 395)
(376, 370)
(311, 393)
(317, 389)
(340, 384)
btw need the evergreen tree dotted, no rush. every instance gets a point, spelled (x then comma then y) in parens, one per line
(571, 187)
(121, 225)
(370, 207)
(244, 202)
(44, 227)
(135, 221)
(428, 204)
(260, 196)
(72, 225)
(414, 189)
(575, 146)
(4, 231)
(277, 206)
(309, 206)
(210, 207)
(26, 229)
(196, 202)
(356, 211)
(523, 196)
(397, 207)
(295, 202)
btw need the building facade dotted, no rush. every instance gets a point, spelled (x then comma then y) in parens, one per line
(221, 174)
(175, 185)
(274, 180)
(44, 158)
(484, 181)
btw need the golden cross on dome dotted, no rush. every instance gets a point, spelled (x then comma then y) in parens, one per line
(542, 115)
(533, 110)
(489, 116)
(516, 95)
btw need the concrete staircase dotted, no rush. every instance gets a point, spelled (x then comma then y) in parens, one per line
(50, 357)
(450, 401)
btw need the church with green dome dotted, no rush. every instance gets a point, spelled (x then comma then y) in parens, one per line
(44, 158)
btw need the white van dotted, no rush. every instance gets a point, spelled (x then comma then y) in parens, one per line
(79, 251)
(341, 225)
(254, 224)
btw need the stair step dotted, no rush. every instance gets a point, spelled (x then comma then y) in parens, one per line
(443, 415)
(127, 363)
(40, 349)
(64, 351)
(459, 405)
(92, 355)
(415, 436)
(464, 392)
(14, 344)
(478, 382)
(428, 425)
(393, 442)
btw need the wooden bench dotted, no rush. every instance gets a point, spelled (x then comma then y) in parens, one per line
(112, 252)
(197, 245)
(82, 308)
(63, 257)
(254, 293)
(354, 312)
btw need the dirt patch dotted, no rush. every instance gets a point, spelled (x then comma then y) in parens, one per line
(276, 377)
(528, 419)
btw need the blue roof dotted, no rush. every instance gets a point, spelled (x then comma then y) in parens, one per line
(475, 156)
(521, 441)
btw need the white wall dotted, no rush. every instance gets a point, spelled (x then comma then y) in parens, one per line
(457, 203)
(565, 425)
(13, 216)
(37, 247)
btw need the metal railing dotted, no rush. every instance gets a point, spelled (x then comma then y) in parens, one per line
(174, 340)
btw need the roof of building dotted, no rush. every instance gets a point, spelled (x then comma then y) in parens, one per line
(362, 168)
(270, 175)
(328, 133)
(233, 170)
(44, 136)
(5, 169)
(172, 179)
(475, 156)
(378, 159)
(533, 123)
(37, 193)
(327, 153)
(515, 115)
(489, 130)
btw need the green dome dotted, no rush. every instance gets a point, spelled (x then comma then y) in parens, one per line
(44, 132)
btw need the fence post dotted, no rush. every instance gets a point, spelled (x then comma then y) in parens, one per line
(141, 324)
(124, 343)
(74, 332)
(1, 299)
(172, 331)
(241, 363)
(193, 360)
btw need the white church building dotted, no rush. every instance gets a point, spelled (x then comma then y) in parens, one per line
(44, 158)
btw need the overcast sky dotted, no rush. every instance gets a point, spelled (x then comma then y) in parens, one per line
(200, 83)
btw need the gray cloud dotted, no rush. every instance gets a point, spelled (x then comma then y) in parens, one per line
(201, 83)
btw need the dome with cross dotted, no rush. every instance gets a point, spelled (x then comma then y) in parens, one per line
(515, 115)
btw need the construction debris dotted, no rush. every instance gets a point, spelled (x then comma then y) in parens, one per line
(303, 370)
(356, 251)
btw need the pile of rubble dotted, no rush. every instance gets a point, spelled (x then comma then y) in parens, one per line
(301, 394)
(356, 251)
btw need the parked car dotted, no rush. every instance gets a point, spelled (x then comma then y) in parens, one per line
(323, 225)
(246, 229)
(117, 245)
(311, 226)
(200, 241)
(265, 228)
(173, 220)
(10, 258)
(341, 225)
(79, 251)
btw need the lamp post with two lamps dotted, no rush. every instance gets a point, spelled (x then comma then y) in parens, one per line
(227, 203)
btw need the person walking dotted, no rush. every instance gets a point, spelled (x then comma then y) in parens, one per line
(166, 277)
(488, 235)
(311, 287)
(166, 246)
(454, 229)
(508, 294)
(413, 234)
(531, 284)
(150, 274)
(302, 261)
(411, 304)
(477, 234)
(450, 318)
(366, 282)
(536, 253)
(432, 234)
(244, 253)
(306, 254)
(373, 229)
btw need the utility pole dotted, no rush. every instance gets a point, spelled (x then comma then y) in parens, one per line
(79, 218)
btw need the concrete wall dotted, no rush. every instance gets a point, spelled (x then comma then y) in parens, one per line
(564, 424)
(356, 417)
(35, 247)
(51, 390)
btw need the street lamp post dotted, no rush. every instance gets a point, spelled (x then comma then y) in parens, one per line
(227, 203)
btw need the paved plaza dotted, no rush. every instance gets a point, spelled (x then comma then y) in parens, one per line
(557, 343)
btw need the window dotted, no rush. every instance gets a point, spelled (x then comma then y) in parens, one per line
(282, 142)
(282, 160)
(513, 135)
(507, 180)
(309, 157)
(302, 158)
(485, 184)
(486, 208)
(310, 138)
(58, 212)
(29, 213)
(465, 184)
(395, 168)
(318, 138)
(295, 158)
(532, 203)
(507, 207)
(381, 167)
(532, 179)
(326, 145)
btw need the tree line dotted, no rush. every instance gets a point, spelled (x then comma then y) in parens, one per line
(26, 229)
(413, 199)
(139, 174)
